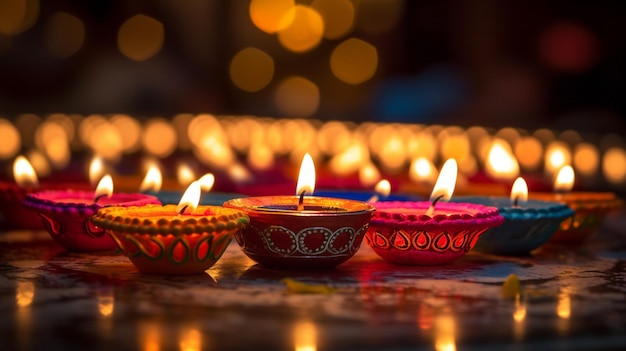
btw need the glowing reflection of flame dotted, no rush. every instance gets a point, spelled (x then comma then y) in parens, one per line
(190, 340)
(444, 332)
(106, 304)
(149, 336)
(305, 336)
(25, 293)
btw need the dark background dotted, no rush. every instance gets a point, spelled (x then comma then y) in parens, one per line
(531, 64)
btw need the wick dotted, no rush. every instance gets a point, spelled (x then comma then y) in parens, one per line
(301, 201)
(431, 209)
(182, 210)
(97, 198)
(515, 202)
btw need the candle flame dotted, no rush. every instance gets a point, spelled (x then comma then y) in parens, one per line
(444, 187)
(501, 163)
(383, 188)
(207, 181)
(185, 174)
(190, 199)
(104, 188)
(519, 191)
(422, 170)
(306, 178)
(24, 173)
(96, 170)
(152, 181)
(564, 181)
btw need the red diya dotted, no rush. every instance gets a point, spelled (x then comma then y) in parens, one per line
(429, 233)
(590, 208)
(66, 213)
(170, 239)
(310, 232)
(13, 193)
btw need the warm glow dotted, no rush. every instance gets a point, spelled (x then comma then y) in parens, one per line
(305, 336)
(297, 97)
(17, 16)
(185, 175)
(106, 304)
(422, 170)
(96, 170)
(564, 306)
(271, 15)
(140, 37)
(501, 164)
(519, 191)
(354, 61)
(159, 137)
(338, 17)
(349, 160)
(64, 35)
(304, 31)
(152, 181)
(520, 310)
(206, 182)
(444, 332)
(564, 181)
(105, 187)
(260, 156)
(586, 159)
(39, 163)
(11, 141)
(333, 137)
(251, 69)
(393, 153)
(24, 173)
(528, 151)
(383, 188)
(129, 130)
(446, 181)
(369, 175)
(150, 336)
(190, 199)
(557, 156)
(239, 173)
(614, 165)
(25, 293)
(306, 177)
(191, 340)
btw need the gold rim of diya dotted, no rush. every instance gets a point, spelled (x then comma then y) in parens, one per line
(312, 205)
(583, 200)
(164, 219)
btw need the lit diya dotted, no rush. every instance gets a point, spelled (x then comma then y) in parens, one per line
(429, 232)
(528, 224)
(302, 231)
(590, 208)
(172, 239)
(66, 213)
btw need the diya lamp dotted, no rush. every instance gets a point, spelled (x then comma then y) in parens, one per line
(429, 232)
(12, 194)
(172, 239)
(66, 213)
(528, 224)
(590, 208)
(302, 231)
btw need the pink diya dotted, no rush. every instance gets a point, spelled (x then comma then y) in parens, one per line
(429, 233)
(170, 239)
(66, 213)
(13, 193)
(590, 208)
(302, 231)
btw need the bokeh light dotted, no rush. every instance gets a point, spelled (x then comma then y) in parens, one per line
(130, 131)
(10, 142)
(17, 16)
(271, 15)
(64, 35)
(338, 15)
(354, 61)
(378, 16)
(557, 155)
(297, 97)
(251, 69)
(304, 32)
(586, 159)
(529, 151)
(159, 137)
(140, 37)
(614, 165)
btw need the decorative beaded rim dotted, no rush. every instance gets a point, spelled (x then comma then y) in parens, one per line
(328, 206)
(529, 210)
(163, 219)
(460, 213)
(47, 201)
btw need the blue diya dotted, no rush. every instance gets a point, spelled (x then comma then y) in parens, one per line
(526, 227)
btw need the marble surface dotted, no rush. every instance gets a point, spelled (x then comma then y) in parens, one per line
(571, 299)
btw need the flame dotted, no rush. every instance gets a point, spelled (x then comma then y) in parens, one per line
(96, 170)
(501, 163)
(519, 191)
(239, 173)
(24, 173)
(190, 199)
(105, 187)
(383, 188)
(306, 178)
(422, 170)
(207, 181)
(564, 181)
(305, 336)
(153, 180)
(446, 181)
(185, 174)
